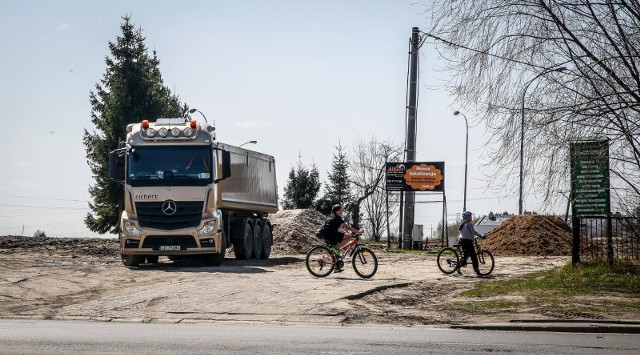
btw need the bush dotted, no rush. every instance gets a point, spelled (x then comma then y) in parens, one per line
(40, 234)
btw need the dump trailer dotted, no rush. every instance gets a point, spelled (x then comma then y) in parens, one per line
(186, 195)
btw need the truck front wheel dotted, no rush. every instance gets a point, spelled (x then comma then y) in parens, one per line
(131, 260)
(215, 259)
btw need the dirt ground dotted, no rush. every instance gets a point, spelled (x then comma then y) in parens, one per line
(60, 278)
(83, 278)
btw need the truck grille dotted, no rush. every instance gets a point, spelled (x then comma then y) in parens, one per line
(155, 241)
(187, 215)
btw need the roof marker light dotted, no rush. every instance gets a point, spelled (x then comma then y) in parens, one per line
(145, 123)
(175, 131)
(193, 123)
(163, 132)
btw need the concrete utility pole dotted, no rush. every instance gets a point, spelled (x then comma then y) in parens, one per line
(412, 105)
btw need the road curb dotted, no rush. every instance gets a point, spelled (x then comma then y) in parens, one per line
(562, 327)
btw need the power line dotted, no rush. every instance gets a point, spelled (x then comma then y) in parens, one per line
(45, 207)
(48, 214)
(44, 198)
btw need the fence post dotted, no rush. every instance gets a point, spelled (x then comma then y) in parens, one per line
(575, 246)
(609, 240)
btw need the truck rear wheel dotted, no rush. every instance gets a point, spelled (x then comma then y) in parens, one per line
(257, 240)
(243, 240)
(131, 260)
(267, 240)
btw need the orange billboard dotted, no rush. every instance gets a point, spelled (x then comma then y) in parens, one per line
(427, 176)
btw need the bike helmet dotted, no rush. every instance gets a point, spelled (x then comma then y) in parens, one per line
(466, 214)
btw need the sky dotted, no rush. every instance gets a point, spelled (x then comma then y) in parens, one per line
(298, 77)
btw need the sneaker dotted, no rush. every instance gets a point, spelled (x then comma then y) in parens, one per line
(335, 251)
(463, 263)
(337, 270)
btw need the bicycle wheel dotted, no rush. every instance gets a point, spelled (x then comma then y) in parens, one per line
(485, 262)
(364, 262)
(448, 260)
(320, 261)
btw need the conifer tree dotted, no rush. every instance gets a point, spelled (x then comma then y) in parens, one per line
(302, 187)
(338, 189)
(130, 90)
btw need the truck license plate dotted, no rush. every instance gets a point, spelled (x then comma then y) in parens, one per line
(169, 248)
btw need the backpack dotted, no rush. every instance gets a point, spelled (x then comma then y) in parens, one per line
(322, 231)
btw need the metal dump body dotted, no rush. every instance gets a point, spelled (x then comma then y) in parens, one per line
(252, 186)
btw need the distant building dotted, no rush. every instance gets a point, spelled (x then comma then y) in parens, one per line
(488, 222)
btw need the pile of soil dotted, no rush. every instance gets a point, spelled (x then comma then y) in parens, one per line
(61, 246)
(294, 231)
(530, 235)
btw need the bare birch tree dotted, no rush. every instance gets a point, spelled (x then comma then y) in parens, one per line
(502, 55)
(368, 180)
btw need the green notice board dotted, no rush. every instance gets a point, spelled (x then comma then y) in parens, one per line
(590, 177)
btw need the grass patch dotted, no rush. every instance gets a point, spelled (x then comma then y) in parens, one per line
(589, 290)
(584, 279)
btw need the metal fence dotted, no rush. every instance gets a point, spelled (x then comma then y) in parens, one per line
(614, 238)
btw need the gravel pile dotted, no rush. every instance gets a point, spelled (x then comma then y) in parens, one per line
(294, 231)
(530, 235)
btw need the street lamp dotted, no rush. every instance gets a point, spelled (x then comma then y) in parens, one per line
(194, 110)
(249, 142)
(546, 71)
(466, 155)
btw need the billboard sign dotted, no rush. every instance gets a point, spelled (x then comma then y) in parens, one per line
(415, 176)
(590, 177)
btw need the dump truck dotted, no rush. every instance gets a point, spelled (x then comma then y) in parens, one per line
(186, 195)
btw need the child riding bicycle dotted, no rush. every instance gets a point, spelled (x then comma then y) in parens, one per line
(466, 239)
(334, 236)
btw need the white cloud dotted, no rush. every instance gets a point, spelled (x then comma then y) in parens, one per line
(253, 124)
(25, 164)
(64, 26)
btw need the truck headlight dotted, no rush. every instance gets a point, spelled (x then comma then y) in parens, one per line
(151, 132)
(175, 131)
(208, 227)
(131, 228)
(163, 132)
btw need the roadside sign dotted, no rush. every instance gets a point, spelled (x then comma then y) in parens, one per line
(414, 176)
(590, 177)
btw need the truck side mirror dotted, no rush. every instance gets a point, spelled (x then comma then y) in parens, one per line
(113, 165)
(116, 167)
(226, 165)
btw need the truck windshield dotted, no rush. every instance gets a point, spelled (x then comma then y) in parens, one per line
(170, 166)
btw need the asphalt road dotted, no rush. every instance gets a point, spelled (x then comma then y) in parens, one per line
(69, 337)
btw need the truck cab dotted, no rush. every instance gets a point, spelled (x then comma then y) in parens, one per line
(171, 168)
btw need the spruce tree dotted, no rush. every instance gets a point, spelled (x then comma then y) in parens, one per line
(338, 189)
(131, 89)
(302, 187)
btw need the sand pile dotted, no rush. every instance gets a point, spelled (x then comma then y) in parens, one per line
(530, 235)
(294, 232)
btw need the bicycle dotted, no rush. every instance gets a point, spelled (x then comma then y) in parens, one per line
(321, 261)
(450, 259)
